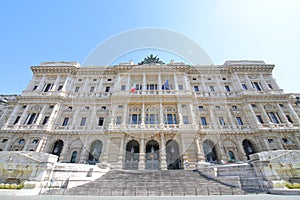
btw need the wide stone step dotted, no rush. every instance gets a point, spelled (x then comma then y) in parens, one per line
(150, 183)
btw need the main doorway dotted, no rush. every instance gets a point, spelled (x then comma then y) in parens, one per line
(174, 159)
(152, 155)
(132, 155)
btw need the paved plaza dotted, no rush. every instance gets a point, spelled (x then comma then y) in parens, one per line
(225, 197)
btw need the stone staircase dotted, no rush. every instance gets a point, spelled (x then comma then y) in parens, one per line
(150, 183)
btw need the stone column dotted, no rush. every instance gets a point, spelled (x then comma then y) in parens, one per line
(294, 115)
(186, 81)
(248, 82)
(116, 84)
(281, 115)
(159, 82)
(67, 84)
(213, 124)
(41, 84)
(263, 82)
(237, 81)
(53, 116)
(179, 114)
(200, 151)
(84, 154)
(75, 120)
(264, 114)
(41, 144)
(128, 82)
(142, 153)
(124, 117)
(202, 85)
(41, 114)
(175, 82)
(13, 115)
(144, 87)
(192, 114)
(106, 151)
(143, 116)
(240, 150)
(65, 154)
(121, 153)
(250, 112)
(230, 117)
(56, 84)
(99, 90)
(163, 162)
(24, 115)
(161, 115)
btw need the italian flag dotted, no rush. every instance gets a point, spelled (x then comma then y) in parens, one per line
(133, 88)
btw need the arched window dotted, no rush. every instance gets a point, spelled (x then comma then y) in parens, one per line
(209, 151)
(74, 157)
(21, 142)
(231, 155)
(57, 148)
(95, 152)
(152, 116)
(170, 115)
(134, 115)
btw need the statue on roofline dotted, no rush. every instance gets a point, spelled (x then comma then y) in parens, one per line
(151, 60)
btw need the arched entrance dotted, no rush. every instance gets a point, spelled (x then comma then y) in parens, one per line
(248, 148)
(152, 155)
(132, 155)
(74, 157)
(95, 152)
(174, 159)
(209, 151)
(57, 148)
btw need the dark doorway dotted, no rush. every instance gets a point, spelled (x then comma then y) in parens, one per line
(58, 145)
(132, 155)
(95, 152)
(152, 155)
(174, 159)
(209, 151)
(248, 148)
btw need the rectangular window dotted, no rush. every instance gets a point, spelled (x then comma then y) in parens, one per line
(196, 88)
(76, 89)
(270, 140)
(152, 87)
(119, 120)
(244, 86)
(48, 87)
(17, 119)
(92, 89)
(289, 118)
(151, 118)
(83, 120)
(35, 141)
(65, 122)
(180, 87)
(45, 121)
(212, 89)
(34, 88)
(4, 140)
(170, 119)
(259, 119)
(107, 89)
(59, 88)
(239, 121)
(234, 107)
(31, 118)
(203, 121)
(120, 106)
(185, 119)
(123, 87)
(200, 107)
(221, 121)
(101, 121)
(273, 118)
(257, 86)
(227, 88)
(270, 86)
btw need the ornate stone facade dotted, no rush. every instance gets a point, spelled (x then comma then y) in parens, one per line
(151, 116)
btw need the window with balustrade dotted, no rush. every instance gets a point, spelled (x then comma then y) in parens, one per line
(134, 116)
(170, 115)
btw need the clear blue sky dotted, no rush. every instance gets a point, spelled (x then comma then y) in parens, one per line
(34, 31)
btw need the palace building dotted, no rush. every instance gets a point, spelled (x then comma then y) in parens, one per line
(151, 115)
